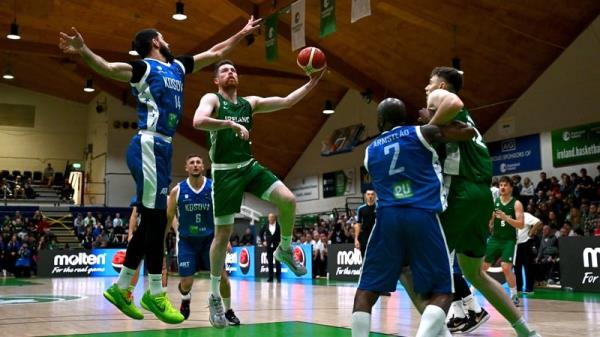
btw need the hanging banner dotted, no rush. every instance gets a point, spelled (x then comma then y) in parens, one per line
(298, 33)
(327, 17)
(271, 37)
(338, 183)
(306, 188)
(360, 9)
(576, 145)
(516, 155)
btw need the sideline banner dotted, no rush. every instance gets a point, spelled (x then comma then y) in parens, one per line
(516, 155)
(576, 145)
(344, 262)
(580, 263)
(302, 252)
(240, 262)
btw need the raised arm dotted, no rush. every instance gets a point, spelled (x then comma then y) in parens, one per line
(221, 49)
(445, 104)
(274, 103)
(455, 132)
(203, 119)
(119, 71)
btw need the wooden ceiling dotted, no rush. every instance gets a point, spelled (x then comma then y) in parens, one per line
(503, 46)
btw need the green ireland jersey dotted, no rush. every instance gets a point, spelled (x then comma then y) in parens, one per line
(470, 159)
(503, 230)
(225, 146)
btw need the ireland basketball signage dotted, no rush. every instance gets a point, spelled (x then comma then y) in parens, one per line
(576, 145)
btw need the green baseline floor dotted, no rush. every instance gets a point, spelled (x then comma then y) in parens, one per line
(284, 329)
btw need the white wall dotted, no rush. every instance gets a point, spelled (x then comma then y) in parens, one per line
(352, 109)
(565, 95)
(58, 134)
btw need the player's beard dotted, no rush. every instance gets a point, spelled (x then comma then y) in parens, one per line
(164, 51)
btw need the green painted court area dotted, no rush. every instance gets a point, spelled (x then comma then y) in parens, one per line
(11, 282)
(283, 329)
(563, 295)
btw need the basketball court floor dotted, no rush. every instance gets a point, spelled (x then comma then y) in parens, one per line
(76, 307)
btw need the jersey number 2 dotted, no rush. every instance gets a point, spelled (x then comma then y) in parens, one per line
(396, 148)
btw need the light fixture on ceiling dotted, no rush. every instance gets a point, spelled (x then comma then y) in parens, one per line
(179, 16)
(328, 108)
(8, 75)
(14, 31)
(89, 86)
(132, 52)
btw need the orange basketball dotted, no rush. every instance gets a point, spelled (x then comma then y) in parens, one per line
(311, 60)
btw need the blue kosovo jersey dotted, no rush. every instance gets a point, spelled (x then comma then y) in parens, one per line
(194, 209)
(159, 96)
(405, 170)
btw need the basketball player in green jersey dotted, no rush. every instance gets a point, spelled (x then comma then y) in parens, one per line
(228, 118)
(468, 173)
(507, 218)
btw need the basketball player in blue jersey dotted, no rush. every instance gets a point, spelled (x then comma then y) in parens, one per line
(157, 83)
(407, 178)
(190, 213)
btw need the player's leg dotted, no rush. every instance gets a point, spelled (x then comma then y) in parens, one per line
(508, 253)
(519, 265)
(156, 171)
(119, 293)
(267, 186)
(228, 190)
(232, 319)
(187, 264)
(430, 265)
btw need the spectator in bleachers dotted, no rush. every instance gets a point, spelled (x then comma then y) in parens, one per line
(29, 191)
(574, 217)
(117, 221)
(97, 230)
(100, 241)
(89, 220)
(547, 254)
(48, 175)
(320, 255)
(543, 185)
(517, 186)
(5, 189)
(18, 190)
(100, 218)
(66, 191)
(247, 238)
(79, 226)
(234, 239)
(566, 186)
(592, 220)
(585, 185)
(23, 262)
(2, 249)
(338, 234)
(527, 191)
(12, 249)
(87, 239)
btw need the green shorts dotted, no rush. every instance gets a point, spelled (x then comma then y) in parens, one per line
(229, 187)
(465, 221)
(500, 248)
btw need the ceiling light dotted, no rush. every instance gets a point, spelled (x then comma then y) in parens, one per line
(8, 75)
(328, 109)
(14, 31)
(179, 16)
(132, 52)
(89, 86)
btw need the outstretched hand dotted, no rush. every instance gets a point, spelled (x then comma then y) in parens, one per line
(71, 44)
(251, 26)
(316, 76)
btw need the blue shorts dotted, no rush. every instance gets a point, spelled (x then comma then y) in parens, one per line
(407, 236)
(193, 254)
(149, 161)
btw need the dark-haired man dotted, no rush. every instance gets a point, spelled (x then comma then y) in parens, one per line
(410, 195)
(468, 173)
(507, 218)
(228, 118)
(157, 83)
